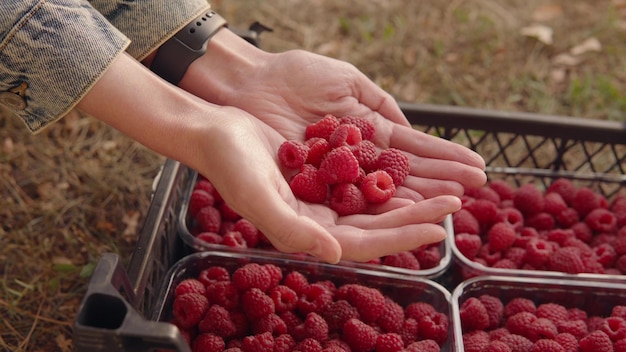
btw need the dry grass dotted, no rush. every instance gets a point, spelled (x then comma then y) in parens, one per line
(80, 188)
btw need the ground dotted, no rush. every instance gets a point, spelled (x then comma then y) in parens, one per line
(79, 188)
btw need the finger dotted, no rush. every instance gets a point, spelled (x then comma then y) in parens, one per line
(391, 204)
(443, 170)
(429, 187)
(377, 100)
(370, 244)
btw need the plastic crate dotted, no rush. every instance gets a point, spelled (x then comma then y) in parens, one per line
(579, 149)
(594, 298)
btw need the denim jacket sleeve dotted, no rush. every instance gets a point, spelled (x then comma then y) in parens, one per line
(53, 51)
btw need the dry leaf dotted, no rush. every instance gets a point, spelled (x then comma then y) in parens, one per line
(538, 31)
(566, 60)
(547, 12)
(61, 260)
(8, 146)
(591, 44)
(64, 344)
(131, 220)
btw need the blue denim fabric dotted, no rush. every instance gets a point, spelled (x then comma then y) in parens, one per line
(58, 49)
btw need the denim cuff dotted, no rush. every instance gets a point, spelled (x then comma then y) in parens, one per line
(51, 53)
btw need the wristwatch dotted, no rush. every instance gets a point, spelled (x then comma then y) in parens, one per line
(177, 53)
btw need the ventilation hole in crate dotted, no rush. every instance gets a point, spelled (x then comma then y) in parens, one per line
(103, 311)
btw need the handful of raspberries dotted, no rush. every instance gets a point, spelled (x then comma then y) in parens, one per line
(338, 164)
(261, 308)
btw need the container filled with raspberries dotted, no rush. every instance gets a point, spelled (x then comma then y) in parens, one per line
(240, 302)
(337, 164)
(503, 313)
(563, 230)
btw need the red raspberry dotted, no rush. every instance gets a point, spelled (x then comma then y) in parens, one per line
(336, 345)
(567, 217)
(504, 190)
(223, 293)
(284, 343)
(614, 327)
(360, 336)
(605, 254)
(275, 274)
(213, 274)
(583, 231)
(567, 341)
(497, 346)
(428, 257)
(465, 222)
(516, 255)
(322, 128)
(601, 220)
(256, 304)
(419, 310)
(404, 259)
(501, 236)
(296, 281)
(316, 327)
(552, 311)
(504, 264)
(485, 211)
(498, 333)
(596, 341)
(291, 319)
(269, 323)
(495, 309)
(395, 163)
(345, 135)
(538, 252)
(314, 298)
(567, 260)
(188, 309)
(228, 213)
(366, 154)
(258, 343)
(251, 275)
(619, 346)
(520, 323)
(242, 325)
(474, 315)
(585, 200)
(620, 263)
(618, 207)
(594, 323)
(285, 299)
(511, 216)
(475, 341)
(190, 286)
(487, 193)
(490, 256)
(423, 346)
(468, 244)
(339, 166)
(409, 331)
(217, 322)
(367, 129)
(234, 239)
(392, 316)
(209, 237)
(434, 327)
(347, 199)
(576, 327)
(563, 187)
(378, 187)
(309, 345)
(318, 148)
(368, 301)
(517, 343)
(209, 219)
(248, 231)
(205, 185)
(541, 221)
(619, 245)
(208, 343)
(619, 311)
(337, 313)
(547, 345)
(199, 199)
(541, 328)
(307, 186)
(528, 199)
(292, 154)
(554, 203)
(389, 342)
(561, 236)
(576, 313)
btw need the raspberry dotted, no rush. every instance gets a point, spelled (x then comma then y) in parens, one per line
(618, 207)
(619, 245)
(316, 327)
(511, 216)
(395, 163)
(366, 154)
(585, 200)
(576, 313)
(594, 323)
(567, 260)
(275, 274)
(475, 341)
(576, 327)
(541, 328)
(209, 237)
(497, 346)
(501, 236)
(284, 343)
(368, 301)
(547, 345)
(528, 199)
(409, 331)
(314, 298)
(217, 322)
(614, 327)
(291, 319)
(234, 239)
(468, 244)
(601, 220)
(190, 286)
(504, 190)
(223, 293)
(428, 257)
(538, 252)
(392, 316)
(434, 327)
(495, 309)
(336, 345)
(498, 333)
(563, 187)
(474, 315)
(389, 342)
(596, 341)
(487, 193)
(188, 309)
(465, 222)
(605, 254)
(309, 345)
(567, 217)
(285, 299)
(541, 221)
(484, 211)
(582, 231)
(423, 346)
(516, 255)
(322, 128)
(258, 343)
(228, 213)
(404, 259)
(205, 185)
(378, 187)
(419, 310)
(347, 199)
(199, 199)
(213, 274)
(567, 341)
(367, 129)
(209, 219)
(345, 135)
(619, 311)
(251, 275)
(208, 343)
(256, 304)
(561, 236)
(520, 323)
(248, 231)
(338, 166)
(318, 147)
(269, 323)
(360, 336)
(296, 281)
(517, 343)
(307, 186)
(554, 203)
(552, 311)
(619, 346)
(620, 263)
(337, 313)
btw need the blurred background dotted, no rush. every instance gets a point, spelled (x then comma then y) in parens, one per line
(80, 188)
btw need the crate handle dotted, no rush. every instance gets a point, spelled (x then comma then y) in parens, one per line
(108, 321)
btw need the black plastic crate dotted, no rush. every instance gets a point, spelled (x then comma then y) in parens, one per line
(519, 147)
